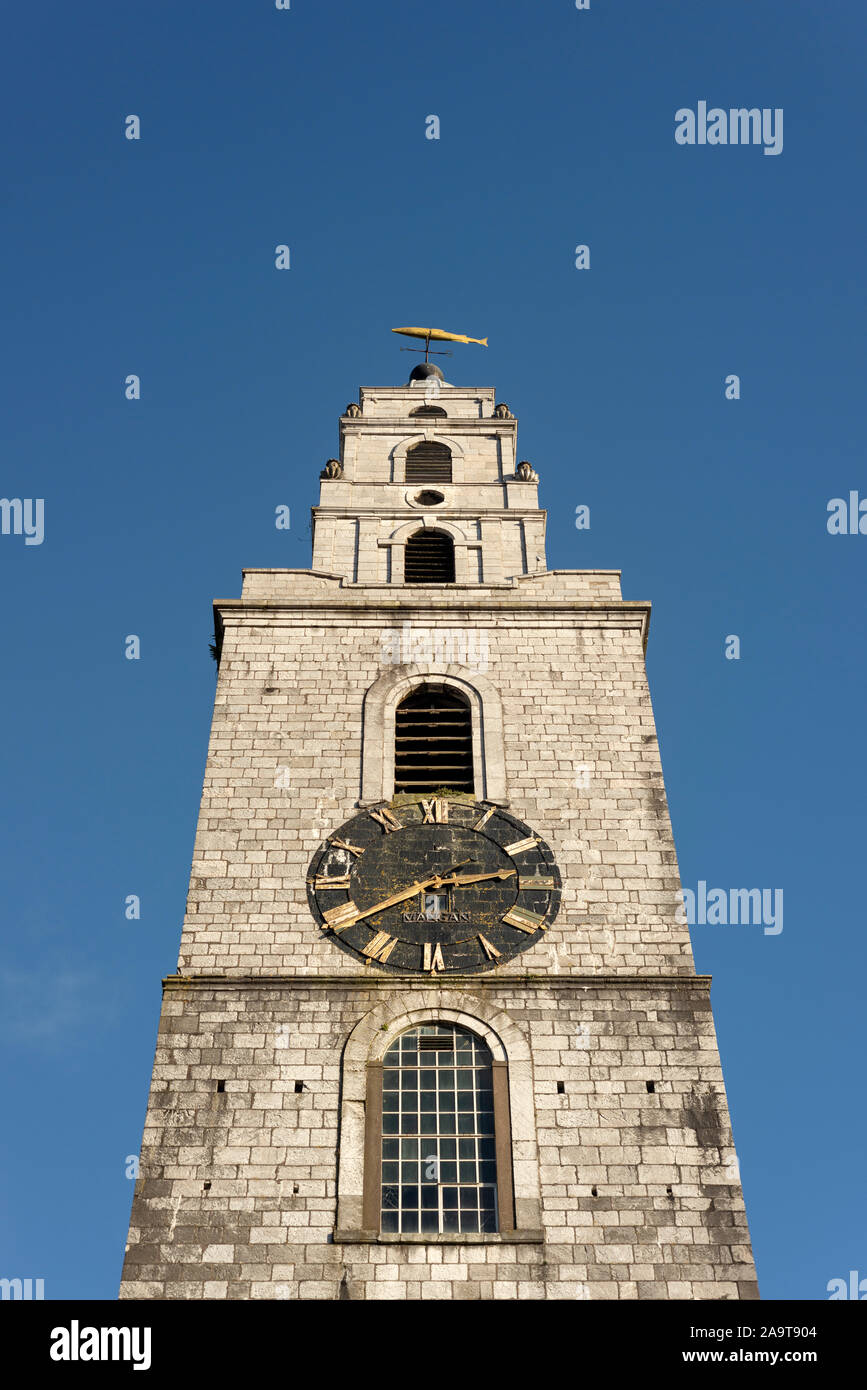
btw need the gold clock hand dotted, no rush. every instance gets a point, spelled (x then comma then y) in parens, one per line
(398, 897)
(405, 893)
(459, 879)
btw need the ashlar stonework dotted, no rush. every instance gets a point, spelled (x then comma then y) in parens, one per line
(262, 1132)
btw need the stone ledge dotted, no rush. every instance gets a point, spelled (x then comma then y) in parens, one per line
(180, 983)
(432, 1238)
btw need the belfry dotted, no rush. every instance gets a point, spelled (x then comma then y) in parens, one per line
(436, 1030)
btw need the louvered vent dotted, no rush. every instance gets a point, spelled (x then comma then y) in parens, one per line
(429, 558)
(427, 410)
(429, 463)
(433, 742)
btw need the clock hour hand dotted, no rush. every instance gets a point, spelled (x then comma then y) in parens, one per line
(347, 913)
(402, 896)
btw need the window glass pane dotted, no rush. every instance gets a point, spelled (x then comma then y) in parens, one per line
(441, 1183)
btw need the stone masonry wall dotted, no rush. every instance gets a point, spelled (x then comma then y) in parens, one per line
(582, 764)
(237, 1194)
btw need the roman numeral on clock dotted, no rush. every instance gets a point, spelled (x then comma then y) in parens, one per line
(342, 844)
(386, 820)
(523, 920)
(538, 882)
(520, 845)
(483, 820)
(433, 957)
(323, 881)
(436, 810)
(342, 916)
(490, 951)
(381, 946)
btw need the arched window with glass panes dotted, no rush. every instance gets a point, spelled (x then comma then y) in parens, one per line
(445, 1163)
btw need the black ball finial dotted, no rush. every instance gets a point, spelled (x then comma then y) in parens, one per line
(425, 371)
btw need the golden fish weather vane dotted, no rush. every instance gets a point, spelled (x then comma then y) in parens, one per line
(438, 335)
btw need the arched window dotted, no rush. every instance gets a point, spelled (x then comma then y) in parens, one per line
(433, 742)
(442, 1063)
(429, 463)
(429, 558)
(427, 410)
(439, 1151)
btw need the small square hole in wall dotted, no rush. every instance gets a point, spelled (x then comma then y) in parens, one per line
(206, 1187)
(561, 1088)
(593, 1192)
(221, 1085)
(651, 1087)
(299, 1087)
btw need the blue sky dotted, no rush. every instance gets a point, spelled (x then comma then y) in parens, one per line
(156, 257)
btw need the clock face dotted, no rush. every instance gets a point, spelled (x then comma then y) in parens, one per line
(434, 885)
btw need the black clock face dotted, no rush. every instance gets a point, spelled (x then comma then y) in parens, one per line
(435, 886)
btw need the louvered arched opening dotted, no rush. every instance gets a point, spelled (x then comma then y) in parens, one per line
(427, 410)
(429, 558)
(429, 463)
(433, 742)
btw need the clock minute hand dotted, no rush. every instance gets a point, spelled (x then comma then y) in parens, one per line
(459, 879)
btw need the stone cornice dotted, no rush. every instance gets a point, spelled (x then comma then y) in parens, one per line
(183, 983)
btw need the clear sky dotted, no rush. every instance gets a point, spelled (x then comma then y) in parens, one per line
(306, 127)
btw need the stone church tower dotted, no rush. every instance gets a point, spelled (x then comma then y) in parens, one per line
(436, 1031)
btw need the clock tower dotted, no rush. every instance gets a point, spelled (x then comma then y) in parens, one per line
(436, 1030)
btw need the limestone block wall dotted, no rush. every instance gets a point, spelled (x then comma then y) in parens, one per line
(237, 1196)
(582, 767)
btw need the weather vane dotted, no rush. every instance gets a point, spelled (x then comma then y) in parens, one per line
(440, 336)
